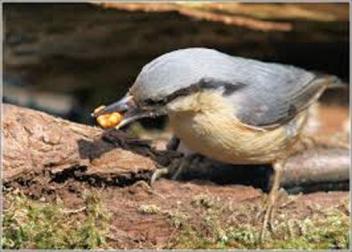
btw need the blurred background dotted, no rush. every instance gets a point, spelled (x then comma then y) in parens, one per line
(67, 59)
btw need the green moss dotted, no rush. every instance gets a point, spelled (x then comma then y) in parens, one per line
(326, 229)
(32, 224)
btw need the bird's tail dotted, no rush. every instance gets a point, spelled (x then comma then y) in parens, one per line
(335, 82)
(329, 81)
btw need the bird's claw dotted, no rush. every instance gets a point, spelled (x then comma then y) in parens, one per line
(158, 173)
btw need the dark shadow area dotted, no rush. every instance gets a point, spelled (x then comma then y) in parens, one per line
(109, 140)
(258, 176)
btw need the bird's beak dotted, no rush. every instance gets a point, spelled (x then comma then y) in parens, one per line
(128, 108)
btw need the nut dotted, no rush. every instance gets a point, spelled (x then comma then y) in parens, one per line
(109, 120)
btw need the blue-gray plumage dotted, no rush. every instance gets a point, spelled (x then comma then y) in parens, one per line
(270, 93)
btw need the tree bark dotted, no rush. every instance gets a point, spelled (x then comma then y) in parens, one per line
(35, 143)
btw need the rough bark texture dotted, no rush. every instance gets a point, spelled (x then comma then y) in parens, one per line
(36, 142)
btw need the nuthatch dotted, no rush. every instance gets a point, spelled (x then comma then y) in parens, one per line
(231, 109)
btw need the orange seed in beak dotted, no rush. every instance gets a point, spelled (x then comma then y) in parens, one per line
(108, 121)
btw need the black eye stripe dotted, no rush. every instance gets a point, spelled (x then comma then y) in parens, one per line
(205, 83)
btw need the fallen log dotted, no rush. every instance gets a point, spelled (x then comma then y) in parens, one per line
(36, 143)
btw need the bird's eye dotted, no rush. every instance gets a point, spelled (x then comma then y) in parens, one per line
(148, 102)
(151, 102)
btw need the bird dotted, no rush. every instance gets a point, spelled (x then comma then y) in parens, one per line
(227, 108)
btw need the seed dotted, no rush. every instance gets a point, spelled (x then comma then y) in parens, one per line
(109, 120)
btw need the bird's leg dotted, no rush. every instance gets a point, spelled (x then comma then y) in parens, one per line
(179, 169)
(175, 164)
(175, 168)
(170, 169)
(172, 145)
(271, 200)
(158, 173)
(186, 162)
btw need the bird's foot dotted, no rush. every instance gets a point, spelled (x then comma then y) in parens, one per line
(158, 173)
(267, 214)
(175, 169)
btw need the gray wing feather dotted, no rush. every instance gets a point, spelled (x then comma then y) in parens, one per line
(275, 93)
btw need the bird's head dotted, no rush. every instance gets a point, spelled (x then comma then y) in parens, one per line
(172, 76)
